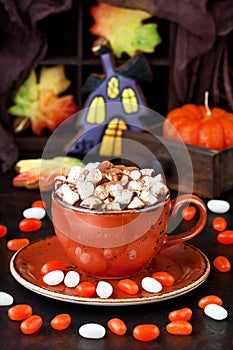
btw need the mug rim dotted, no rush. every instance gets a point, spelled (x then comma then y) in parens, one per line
(60, 202)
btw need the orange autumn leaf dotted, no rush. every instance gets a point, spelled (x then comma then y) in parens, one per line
(51, 111)
(118, 23)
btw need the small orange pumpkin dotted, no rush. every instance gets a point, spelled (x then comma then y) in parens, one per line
(200, 126)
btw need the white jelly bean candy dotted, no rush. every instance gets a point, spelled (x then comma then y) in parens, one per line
(6, 299)
(151, 285)
(36, 213)
(72, 279)
(104, 289)
(218, 206)
(54, 277)
(216, 312)
(92, 331)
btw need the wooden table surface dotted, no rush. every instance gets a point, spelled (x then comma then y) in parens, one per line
(207, 333)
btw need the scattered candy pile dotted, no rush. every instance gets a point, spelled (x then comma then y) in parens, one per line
(53, 274)
(212, 306)
(31, 222)
(224, 236)
(179, 320)
(219, 224)
(104, 186)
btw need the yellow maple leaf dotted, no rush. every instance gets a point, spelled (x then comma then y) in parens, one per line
(54, 79)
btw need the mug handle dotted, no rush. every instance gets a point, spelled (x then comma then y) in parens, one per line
(194, 231)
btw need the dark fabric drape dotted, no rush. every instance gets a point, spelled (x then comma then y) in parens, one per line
(22, 47)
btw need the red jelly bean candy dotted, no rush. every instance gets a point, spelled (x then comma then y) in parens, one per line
(39, 204)
(180, 315)
(3, 230)
(219, 224)
(209, 299)
(30, 224)
(128, 286)
(179, 327)
(117, 326)
(222, 263)
(146, 332)
(19, 312)
(188, 213)
(17, 243)
(60, 322)
(225, 237)
(31, 325)
(50, 266)
(85, 289)
(165, 278)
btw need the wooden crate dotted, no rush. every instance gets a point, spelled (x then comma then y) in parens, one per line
(212, 170)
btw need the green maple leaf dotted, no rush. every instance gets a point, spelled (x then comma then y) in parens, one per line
(25, 97)
(147, 37)
(124, 28)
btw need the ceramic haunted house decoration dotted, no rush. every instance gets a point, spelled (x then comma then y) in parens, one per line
(114, 104)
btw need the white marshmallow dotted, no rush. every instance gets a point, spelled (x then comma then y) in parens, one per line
(136, 203)
(94, 176)
(91, 202)
(124, 197)
(85, 189)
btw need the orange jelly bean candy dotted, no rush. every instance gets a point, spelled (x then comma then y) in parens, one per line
(182, 314)
(209, 299)
(3, 230)
(30, 224)
(219, 224)
(17, 243)
(146, 332)
(188, 213)
(61, 322)
(31, 325)
(117, 326)
(128, 286)
(179, 327)
(165, 278)
(85, 289)
(225, 237)
(39, 204)
(50, 266)
(222, 263)
(19, 312)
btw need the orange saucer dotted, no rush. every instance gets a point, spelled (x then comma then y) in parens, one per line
(187, 264)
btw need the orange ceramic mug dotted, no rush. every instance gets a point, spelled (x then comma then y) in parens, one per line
(119, 244)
